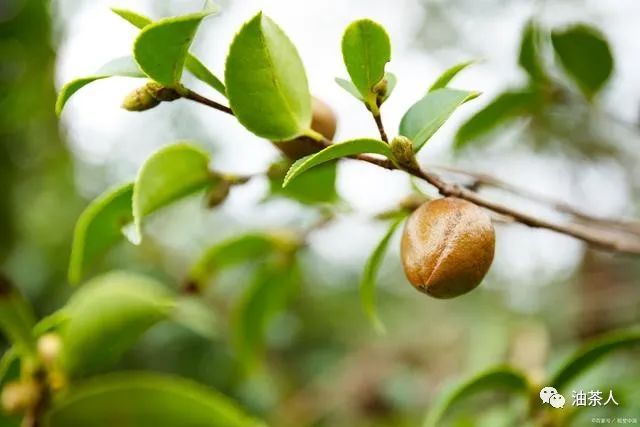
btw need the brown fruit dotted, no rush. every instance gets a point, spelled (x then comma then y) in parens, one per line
(324, 122)
(447, 247)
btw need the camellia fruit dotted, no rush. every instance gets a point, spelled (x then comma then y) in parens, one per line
(323, 121)
(447, 247)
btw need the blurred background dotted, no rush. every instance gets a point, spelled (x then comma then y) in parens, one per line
(545, 294)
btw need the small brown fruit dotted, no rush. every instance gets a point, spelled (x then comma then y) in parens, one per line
(447, 247)
(324, 122)
(324, 119)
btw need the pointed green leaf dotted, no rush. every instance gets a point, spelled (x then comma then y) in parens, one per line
(161, 47)
(144, 399)
(366, 49)
(266, 82)
(124, 67)
(501, 378)
(503, 108)
(107, 316)
(317, 186)
(98, 228)
(392, 81)
(50, 323)
(530, 57)
(171, 173)
(196, 315)
(192, 64)
(585, 55)
(202, 73)
(9, 364)
(426, 116)
(349, 87)
(272, 287)
(336, 151)
(231, 252)
(591, 353)
(446, 77)
(16, 318)
(368, 281)
(134, 18)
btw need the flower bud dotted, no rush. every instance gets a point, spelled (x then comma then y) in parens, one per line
(162, 93)
(218, 193)
(149, 96)
(49, 348)
(380, 89)
(18, 396)
(447, 247)
(402, 149)
(139, 100)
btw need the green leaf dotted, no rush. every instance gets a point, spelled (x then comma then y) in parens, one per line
(336, 151)
(392, 81)
(585, 55)
(16, 318)
(266, 82)
(8, 364)
(501, 378)
(107, 316)
(426, 116)
(123, 67)
(193, 313)
(145, 399)
(446, 77)
(368, 281)
(201, 72)
(98, 228)
(161, 47)
(171, 173)
(50, 323)
(192, 64)
(349, 87)
(593, 352)
(366, 49)
(530, 57)
(273, 285)
(134, 18)
(503, 108)
(316, 186)
(231, 252)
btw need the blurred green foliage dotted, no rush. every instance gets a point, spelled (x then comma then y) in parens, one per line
(263, 317)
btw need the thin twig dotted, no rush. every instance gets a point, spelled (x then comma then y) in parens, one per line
(481, 179)
(206, 101)
(600, 238)
(383, 133)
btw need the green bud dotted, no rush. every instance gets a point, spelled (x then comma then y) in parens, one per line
(139, 100)
(162, 93)
(381, 88)
(149, 96)
(402, 149)
(19, 396)
(218, 193)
